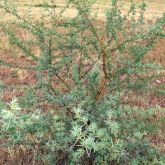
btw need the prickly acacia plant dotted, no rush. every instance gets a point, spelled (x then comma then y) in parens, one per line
(78, 61)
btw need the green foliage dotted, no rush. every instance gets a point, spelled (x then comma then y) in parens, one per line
(79, 71)
(103, 133)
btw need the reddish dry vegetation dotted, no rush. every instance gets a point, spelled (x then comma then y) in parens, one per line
(18, 157)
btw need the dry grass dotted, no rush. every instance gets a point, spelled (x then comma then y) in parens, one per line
(155, 8)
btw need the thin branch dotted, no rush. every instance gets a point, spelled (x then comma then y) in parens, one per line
(101, 89)
(59, 77)
(90, 68)
(135, 38)
(20, 44)
(103, 50)
(3, 63)
(94, 31)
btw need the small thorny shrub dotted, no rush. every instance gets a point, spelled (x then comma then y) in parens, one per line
(83, 67)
